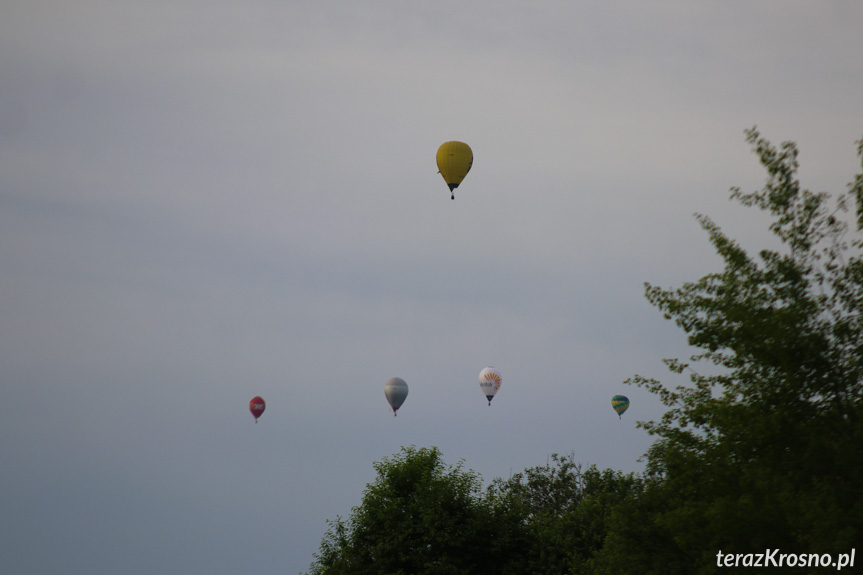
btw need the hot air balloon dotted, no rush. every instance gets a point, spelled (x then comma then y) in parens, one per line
(454, 160)
(489, 382)
(257, 406)
(396, 391)
(620, 403)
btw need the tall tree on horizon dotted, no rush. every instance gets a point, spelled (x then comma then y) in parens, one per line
(765, 448)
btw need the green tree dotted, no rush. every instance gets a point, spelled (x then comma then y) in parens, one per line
(420, 516)
(563, 512)
(764, 449)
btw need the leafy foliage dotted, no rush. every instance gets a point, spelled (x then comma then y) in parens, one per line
(564, 512)
(767, 451)
(419, 517)
(423, 517)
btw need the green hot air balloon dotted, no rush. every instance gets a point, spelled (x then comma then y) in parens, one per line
(620, 403)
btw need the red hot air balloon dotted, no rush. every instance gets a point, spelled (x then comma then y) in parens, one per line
(257, 406)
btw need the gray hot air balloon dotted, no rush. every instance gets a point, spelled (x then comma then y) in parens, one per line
(396, 391)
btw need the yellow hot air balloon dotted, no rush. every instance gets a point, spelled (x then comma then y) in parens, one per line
(454, 160)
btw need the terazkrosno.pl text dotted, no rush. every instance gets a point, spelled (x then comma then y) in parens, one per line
(774, 558)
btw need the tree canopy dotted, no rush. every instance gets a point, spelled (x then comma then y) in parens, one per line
(764, 448)
(420, 516)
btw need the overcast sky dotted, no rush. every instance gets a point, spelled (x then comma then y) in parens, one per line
(203, 201)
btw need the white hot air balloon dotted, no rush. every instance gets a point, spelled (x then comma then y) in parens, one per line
(396, 391)
(489, 382)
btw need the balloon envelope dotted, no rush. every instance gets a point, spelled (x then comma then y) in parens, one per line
(396, 390)
(257, 406)
(454, 160)
(489, 382)
(620, 403)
